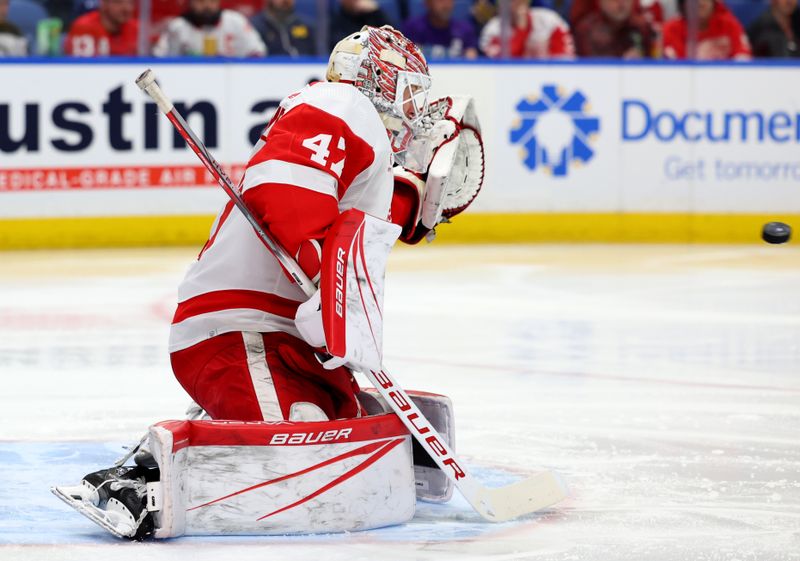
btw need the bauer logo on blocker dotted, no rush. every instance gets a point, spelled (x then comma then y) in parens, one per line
(554, 130)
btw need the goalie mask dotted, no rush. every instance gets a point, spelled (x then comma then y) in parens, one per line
(391, 71)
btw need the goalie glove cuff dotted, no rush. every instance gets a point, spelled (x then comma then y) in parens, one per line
(409, 189)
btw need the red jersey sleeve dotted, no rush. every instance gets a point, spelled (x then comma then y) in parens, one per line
(674, 39)
(294, 181)
(561, 43)
(491, 43)
(740, 45)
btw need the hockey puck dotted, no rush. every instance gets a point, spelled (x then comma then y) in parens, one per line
(776, 232)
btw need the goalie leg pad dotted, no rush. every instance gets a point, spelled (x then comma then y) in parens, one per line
(432, 484)
(258, 478)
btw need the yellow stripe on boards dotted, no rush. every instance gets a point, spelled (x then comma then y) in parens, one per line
(121, 231)
(140, 231)
(608, 227)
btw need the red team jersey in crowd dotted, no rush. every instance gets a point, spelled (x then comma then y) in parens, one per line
(652, 10)
(545, 36)
(723, 38)
(324, 152)
(88, 38)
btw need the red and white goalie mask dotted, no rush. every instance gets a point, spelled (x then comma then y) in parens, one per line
(392, 72)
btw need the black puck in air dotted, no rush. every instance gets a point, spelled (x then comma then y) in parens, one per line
(776, 232)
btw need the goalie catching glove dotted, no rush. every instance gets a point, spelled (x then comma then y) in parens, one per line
(452, 157)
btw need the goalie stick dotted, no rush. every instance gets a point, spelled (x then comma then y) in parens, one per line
(495, 504)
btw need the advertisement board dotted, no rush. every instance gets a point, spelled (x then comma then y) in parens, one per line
(574, 150)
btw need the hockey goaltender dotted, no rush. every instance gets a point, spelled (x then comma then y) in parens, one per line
(282, 439)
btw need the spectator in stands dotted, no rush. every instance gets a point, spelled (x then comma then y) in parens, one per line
(282, 30)
(352, 15)
(481, 12)
(441, 36)
(720, 35)
(206, 29)
(654, 11)
(111, 30)
(580, 9)
(535, 33)
(775, 32)
(614, 30)
(12, 43)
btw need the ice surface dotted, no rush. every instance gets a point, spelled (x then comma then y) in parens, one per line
(661, 382)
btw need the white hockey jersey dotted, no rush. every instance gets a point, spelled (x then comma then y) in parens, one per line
(233, 36)
(546, 35)
(325, 151)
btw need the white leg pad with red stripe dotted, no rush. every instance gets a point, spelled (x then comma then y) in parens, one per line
(432, 483)
(262, 478)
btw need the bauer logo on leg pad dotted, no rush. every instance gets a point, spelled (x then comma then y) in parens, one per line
(309, 437)
(353, 269)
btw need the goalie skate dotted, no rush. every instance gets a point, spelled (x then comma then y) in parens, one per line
(114, 522)
(113, 500)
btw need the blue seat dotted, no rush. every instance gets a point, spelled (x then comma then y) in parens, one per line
(306, 9)
(26, 15)
(747, 10)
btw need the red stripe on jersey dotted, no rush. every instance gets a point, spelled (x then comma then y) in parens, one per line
(309, 136)
(229, 299)
(293, 215)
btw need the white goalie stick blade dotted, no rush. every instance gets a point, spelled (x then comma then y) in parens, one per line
(523, 497)
(115, 522)
(495, 504)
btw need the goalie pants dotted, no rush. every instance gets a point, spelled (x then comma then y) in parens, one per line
(247, 376)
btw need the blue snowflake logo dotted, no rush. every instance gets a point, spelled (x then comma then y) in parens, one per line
(554, 131)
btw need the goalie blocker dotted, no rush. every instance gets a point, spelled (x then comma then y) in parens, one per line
(345, 316)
